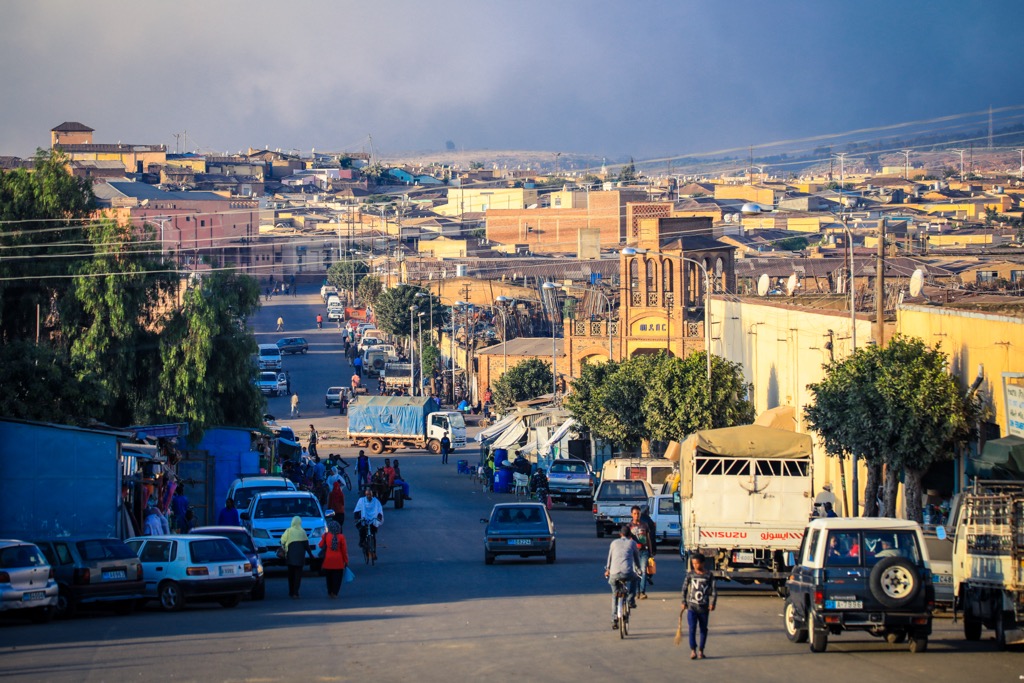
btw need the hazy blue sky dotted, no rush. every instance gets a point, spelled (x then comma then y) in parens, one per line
(648, 79)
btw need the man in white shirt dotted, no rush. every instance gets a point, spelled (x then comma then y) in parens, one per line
(369, 515)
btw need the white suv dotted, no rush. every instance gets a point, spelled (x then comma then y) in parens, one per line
(270, 513)
(245, 488)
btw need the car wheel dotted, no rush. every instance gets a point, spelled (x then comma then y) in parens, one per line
(66, 605)
(259, 592)
(43, 615)
(230, 601)
(171, 599)
(488, 557)
(894, 582)
(896, 637)
(919, 644)
(819, 639)
(793, 630)
(550, 557)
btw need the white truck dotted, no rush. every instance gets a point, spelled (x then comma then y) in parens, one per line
(988, 560)
(745, 495)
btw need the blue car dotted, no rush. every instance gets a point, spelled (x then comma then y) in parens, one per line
(293, 345)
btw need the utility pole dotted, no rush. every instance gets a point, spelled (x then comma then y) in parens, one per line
(880, 287)
(906, 166)
(1021, 173)
(961, 153)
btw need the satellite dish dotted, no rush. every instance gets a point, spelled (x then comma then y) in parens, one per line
(762, 284)
(917, 283)
(791, 285)
(750, 209)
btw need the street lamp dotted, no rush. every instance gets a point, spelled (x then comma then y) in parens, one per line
(430, 300)
(554, 373)
(421, 314)
(503, 300)
(412, 352)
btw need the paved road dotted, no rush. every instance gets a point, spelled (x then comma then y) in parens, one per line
(430, 610)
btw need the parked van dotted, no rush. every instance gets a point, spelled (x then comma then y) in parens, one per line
(652, 470)
(269, 357)
(334, 303)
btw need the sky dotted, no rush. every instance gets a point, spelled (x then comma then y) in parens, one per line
(645, 79)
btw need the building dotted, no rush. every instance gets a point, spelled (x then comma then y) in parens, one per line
(71, 133)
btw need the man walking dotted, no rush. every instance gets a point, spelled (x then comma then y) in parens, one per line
(313, 438)
(643, 536)
(446, 447)
(295, 405)
(621, 565)
(699, 598)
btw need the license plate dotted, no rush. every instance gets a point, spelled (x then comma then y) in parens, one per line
(743, 557)
(942, 579)
(844, 604)
(115, 576)
(227, 571)
(519, 541)
(34, 595)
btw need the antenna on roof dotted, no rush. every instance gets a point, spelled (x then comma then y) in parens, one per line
(791, 285)
(762, 284)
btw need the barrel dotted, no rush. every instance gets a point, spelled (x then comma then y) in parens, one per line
(502, 480)
(500, 456)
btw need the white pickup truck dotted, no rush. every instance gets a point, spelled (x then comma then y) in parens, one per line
(615, 499)
(571, 481)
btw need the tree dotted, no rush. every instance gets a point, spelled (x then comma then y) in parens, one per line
(347, 275)
(369, 289)
(392, 309)
(431, 358)
(628, 172)
(584, 400)
(523, 381)
(29, 371)
(895, 406)
(678, 403)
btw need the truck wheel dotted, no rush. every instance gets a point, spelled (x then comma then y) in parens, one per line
(1000, 628)
(794, 632)
(819, 638)
(972, 625)
(919, 644)
(376, 446)
(894, 582)
(434, 446)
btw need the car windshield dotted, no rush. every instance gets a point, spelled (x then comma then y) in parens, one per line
(518, 517)
(568, 468)
(214, 550)
(244, 496)
(622, 490)
(334, 391)
(270, 352)
(288, 507)
(457, 421)
(268, 377)
(104, 549)
(21, 557)
(239, 538)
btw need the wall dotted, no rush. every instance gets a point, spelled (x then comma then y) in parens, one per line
(544, 230)
(747, 193)
(470, 200)
(971, 339)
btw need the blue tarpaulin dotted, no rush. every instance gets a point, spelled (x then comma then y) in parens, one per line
(390, 415)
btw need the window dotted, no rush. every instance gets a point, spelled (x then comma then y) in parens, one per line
(843, 549)
(781, 468)
(104, 549)
(666, 506)
(156, 551)
(811, 546)
(666, 276)
(214, 550)
(1016, 275)
(986, 275)
(891, 544)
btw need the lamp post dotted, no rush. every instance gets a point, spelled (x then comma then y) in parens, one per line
(503, 300)
(420, 316)
(554, 372)
(853, 349)
(412, 351)
(430, 301)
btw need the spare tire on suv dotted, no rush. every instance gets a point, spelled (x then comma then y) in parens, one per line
(894, 582)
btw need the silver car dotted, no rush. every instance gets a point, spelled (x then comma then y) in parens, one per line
(26, 581)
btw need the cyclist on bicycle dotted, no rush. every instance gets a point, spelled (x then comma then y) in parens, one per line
(369, 515)
(621, 565)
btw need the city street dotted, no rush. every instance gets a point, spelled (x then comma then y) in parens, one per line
(430, 610)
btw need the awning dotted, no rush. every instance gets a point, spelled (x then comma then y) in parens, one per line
(511, 436)
(529, 449)
(559, 434)
(496, 428)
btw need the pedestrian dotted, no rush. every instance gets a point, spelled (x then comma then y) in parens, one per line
(153, 525)
(699, 598)
(296, 544)
(621, 566)
(363, 469)
(446, 447)
(229, 514)
(179, 505)
(644, 538)
(189, 523)
(267, 295)
(336, 501)
(288, 381)
(335, 557)
(399, 481)
(295, 405)
(357, 363)
(295, 290)
(343, 403)
(313, 439)
(280, 324)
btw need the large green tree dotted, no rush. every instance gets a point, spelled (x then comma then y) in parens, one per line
(523, 381)
(369, 289)
(346, 275)
(392, 310)
(896, 406)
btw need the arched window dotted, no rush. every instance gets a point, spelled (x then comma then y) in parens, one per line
(666, 276)
(652, 275)
(634, 274)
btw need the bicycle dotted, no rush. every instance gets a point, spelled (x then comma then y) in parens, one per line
(342, 466)
(368, 542)
(622, 606)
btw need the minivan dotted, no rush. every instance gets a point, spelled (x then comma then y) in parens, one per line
(269, 357)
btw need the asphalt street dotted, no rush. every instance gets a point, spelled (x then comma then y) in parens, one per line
(430, 610)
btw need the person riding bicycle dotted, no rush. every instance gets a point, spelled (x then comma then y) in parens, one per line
(369, 515)
(319, 321)
(621, 565)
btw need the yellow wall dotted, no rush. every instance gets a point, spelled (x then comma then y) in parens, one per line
(971, 338)
(782, 350)
(442, 247)
(749, 193)
(952, 239)
(468, 200)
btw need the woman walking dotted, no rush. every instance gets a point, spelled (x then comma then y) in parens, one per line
(296, 545)
(335, 557)
(699, 598)
(336, 501)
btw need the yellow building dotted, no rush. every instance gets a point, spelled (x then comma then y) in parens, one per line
(442, 247)
(747, 193)
(462, 200)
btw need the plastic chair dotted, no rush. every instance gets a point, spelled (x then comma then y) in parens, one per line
(521, 484)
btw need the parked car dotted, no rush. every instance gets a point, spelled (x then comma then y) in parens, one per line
(571, 481)
(270, 513)
(241, 538)
(613, 501)
(940, 554)
(332, 399)
(335, 314)
(522, 529)
(94, 570)
(664, 510)
(27, 583)
(293, 345)
(245, 487)
(178, 568)
(272, 383)
(327, 291)
(858, 574)
(268, 357)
